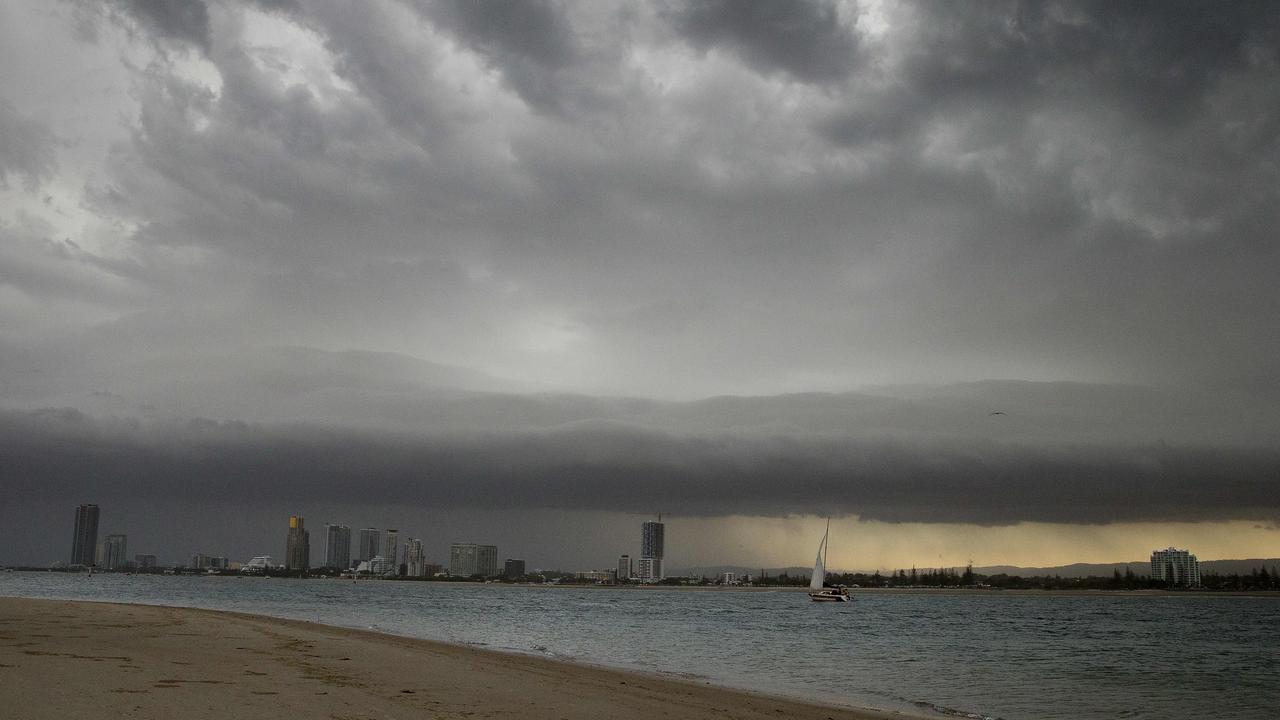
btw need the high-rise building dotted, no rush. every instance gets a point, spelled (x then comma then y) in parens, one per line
(370, 543)
(513, 569)
(337, 546)
(85, 541)
(468, 559)
(200, 561)
(487, 560)
(390, 545)
(624, 567)
(652, 549)
(415, 559)
(1176, 567)
(111, 552)
(144, 562)
(297, 552)
(652, 539)
(649, 569)
(462, 559)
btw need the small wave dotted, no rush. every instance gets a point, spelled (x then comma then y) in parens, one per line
(683, 675)
(952, 712)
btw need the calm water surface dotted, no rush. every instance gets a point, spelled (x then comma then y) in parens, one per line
(1012, 657)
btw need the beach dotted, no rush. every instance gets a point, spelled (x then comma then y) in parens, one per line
(69, 659)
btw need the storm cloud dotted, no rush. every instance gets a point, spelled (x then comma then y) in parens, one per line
(588, 196)
(27, 148)
(807, 40)
(738, 258)
(179, 20)
(936, 457)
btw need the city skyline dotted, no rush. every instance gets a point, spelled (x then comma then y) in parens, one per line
(417, 557)
(973, 279)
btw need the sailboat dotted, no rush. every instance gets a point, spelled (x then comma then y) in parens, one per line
(817, 592)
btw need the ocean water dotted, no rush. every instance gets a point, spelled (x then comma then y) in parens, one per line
(981, 655)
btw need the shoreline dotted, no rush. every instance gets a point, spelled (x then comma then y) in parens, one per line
(61, 658)
(853, 591)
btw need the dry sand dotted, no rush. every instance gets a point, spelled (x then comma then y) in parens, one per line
(65, 660)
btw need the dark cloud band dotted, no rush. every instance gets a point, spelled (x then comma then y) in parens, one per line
(621, 468)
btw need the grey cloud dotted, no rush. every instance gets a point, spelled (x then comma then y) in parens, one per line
(1014, 210)
(1161, 59)
(387, 51)
(804, 39)
(50, 268)
(1141, 79)
(527, 41)
(395, 393)
(183, 21)
(360, 428)
(27, 148)
(272, 174)
(1158, 62)
(610, 467)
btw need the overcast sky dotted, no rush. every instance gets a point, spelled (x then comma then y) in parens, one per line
(480, 268)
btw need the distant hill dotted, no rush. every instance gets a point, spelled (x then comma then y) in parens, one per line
(1073, 570)
(1139, 567)
(1227, 567)
(711, 571)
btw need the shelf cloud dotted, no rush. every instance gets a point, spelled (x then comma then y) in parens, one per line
(579, 454)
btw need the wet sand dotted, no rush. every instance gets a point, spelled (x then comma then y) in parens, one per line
(62, 659)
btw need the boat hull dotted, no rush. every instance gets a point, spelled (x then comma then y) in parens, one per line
(828, 597)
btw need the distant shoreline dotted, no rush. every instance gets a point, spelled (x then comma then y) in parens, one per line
(951, 591)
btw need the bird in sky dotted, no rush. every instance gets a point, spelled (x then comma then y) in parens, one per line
(996, 412)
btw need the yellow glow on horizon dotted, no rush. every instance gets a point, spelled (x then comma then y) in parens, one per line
(869, 545)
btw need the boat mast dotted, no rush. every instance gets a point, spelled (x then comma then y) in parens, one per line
(826, 545)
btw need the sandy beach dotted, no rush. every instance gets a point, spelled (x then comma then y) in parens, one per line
(61, 659)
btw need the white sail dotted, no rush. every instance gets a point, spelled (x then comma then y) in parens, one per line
(819, 571)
